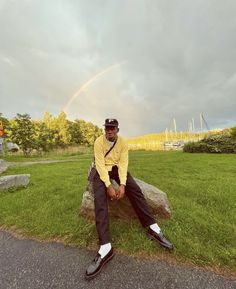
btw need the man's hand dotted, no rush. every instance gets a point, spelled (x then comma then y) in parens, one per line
(120, 192)
(112, 193)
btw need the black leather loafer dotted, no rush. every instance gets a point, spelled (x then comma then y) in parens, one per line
(96, 266)
(160, 238)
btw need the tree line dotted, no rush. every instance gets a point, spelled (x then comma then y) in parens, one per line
(49, 133)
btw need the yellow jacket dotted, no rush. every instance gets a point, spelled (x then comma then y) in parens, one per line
(118, 156)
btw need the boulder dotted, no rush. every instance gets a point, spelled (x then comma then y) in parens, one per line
(156, 199)
(7, 182)
(3, 166)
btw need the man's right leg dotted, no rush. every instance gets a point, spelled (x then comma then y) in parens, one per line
(105, 252)
(101, 210)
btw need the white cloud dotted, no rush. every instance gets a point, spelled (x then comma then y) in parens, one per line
(180, 56)
(8, 60)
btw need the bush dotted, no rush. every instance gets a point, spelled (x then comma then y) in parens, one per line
(220, 143)
(233, 132)
(201, 147)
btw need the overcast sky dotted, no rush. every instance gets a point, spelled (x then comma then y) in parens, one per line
(148, 61)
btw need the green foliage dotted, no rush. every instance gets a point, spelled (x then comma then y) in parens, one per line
(45, 138)
(62, 125)
(84, 133)
(233, 132)
(75, 132)
(49, 133)
(218, 143)
(88, 132)
(22, 132)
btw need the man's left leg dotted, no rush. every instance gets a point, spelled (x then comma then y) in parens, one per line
(142, 210)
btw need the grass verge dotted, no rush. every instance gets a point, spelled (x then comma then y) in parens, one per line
(201, 190)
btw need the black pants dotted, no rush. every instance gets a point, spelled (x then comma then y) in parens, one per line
(132, 191)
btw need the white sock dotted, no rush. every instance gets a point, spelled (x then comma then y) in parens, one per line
(104, 249)
(155, 228)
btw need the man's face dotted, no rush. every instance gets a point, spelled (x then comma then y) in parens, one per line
(111, 132)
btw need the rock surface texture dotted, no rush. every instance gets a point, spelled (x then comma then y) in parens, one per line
(3, 166)
(156, 199)
(7, 182)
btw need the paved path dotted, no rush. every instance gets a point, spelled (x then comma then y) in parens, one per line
(29, 264)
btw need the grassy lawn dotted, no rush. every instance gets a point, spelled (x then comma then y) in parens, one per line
(59, 154)
(201, 189)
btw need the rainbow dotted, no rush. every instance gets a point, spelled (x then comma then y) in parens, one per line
(87, 83)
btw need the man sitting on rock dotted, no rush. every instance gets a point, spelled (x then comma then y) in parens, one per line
(111, 159)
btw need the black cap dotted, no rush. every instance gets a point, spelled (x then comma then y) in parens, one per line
(111, 122)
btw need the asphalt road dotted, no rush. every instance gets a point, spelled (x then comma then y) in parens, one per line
(29, 264)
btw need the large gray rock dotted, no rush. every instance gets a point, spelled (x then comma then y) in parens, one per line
(7, 182)
(156, 199)
(3, 166)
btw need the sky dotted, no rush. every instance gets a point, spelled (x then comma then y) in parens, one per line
(144, 62)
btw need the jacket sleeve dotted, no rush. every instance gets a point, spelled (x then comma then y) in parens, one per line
(123, 163)
(100, 163)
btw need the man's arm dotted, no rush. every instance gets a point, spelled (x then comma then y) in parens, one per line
(100, 163)
(123, 167)
(123, 163)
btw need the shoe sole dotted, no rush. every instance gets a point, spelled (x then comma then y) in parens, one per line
(160, 243)
(95, 274)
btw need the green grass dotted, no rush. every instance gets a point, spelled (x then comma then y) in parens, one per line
(59, 154)
(201, 189)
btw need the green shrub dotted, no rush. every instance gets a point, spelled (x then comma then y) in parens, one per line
(201, 147)
(233, 132)
(219, 143)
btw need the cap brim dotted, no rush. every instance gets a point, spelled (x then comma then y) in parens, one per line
(115, 125)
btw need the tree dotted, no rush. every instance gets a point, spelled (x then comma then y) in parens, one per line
(48, 120)
(84, 133)
(91, 133)
(45, 137)
(62, 124)
(75, 132)
(22, 132)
